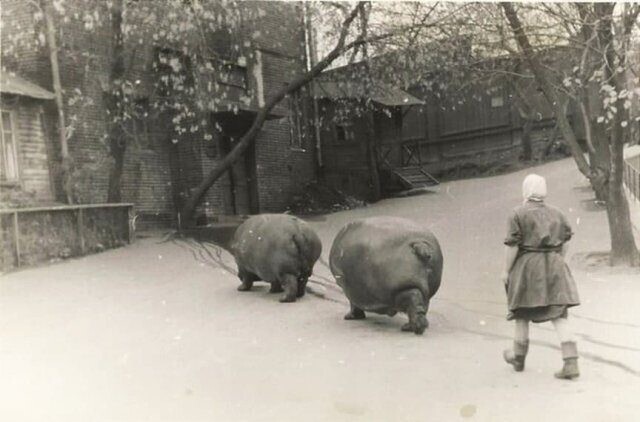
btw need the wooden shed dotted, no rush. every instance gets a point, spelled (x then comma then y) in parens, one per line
(25, 151)
(351, 112)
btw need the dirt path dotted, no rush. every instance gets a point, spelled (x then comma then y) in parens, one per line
(157, 331)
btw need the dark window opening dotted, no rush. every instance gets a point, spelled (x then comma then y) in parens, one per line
(229, 73)
(344, 133)
(140, 124)
(8, 148)
(224, 79)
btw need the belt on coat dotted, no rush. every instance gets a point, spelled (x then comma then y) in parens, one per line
(546, 251)
(541, 250)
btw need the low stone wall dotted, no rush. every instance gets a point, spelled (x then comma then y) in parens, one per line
(30, 236)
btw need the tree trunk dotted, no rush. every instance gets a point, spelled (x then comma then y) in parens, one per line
(117, 150)
(527, 116)
(311, 61)
(372, 160)
(601, 162)
(623, 247)
(114, 101)
(67, 161)
(527, 150)
(250, 137)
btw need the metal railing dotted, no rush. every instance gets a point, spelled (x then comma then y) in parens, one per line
(631, 175)
(411, 154)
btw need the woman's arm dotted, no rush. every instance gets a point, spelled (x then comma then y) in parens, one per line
(513, 239)
(510, 253)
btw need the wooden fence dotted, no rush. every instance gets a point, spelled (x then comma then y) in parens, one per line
(33, 235)
(632, 176)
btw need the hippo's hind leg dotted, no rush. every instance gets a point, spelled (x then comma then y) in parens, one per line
(413, 303)
(302, 286)
(290, 285)
(247, 280)
(355, 313)
(276, 287)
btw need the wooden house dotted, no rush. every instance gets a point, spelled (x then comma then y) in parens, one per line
(353, 112)
(26, 155)
(421, 134)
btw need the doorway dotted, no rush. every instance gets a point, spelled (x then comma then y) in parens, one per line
(241, 192)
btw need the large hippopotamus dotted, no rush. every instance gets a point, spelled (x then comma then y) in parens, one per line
(387, 265)
(279, 249)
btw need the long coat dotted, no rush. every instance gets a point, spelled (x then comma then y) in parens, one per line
(540, 285)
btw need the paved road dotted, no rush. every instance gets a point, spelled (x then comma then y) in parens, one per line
(157, 331)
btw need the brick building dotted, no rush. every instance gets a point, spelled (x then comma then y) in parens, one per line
(162, 167)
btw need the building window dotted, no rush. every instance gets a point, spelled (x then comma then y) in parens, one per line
(223, 78)
(231, 74)
(497, 101)
(296, 120)
(344, 133)
(9, 150)
(174, 72)
(140, 124)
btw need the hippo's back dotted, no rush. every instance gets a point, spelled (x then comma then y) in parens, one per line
(375, 258)
(270, 244)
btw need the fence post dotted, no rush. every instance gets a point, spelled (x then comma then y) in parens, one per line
(81, 230)
(130, 224)
(631, 180)
(16, 237)
(636, 183)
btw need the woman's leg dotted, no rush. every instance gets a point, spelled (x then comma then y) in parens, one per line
(522, 331)
(517, 355)
(563, 329)
(569, 349)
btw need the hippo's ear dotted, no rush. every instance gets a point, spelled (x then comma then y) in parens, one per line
(422, 250)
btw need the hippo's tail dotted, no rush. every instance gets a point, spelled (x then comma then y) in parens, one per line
(305, 247)
(431, 255)
(422, 251)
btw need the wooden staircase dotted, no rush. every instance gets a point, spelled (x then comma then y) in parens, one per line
(413, 177)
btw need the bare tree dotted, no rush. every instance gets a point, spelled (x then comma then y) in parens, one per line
(46, 8)
(114, 97)
(605, 135)
(371, 151)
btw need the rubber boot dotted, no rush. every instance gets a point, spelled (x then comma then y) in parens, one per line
(570, 356)
(516, 356)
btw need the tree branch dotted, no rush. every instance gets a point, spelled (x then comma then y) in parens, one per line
(546, 86)
(250, 136)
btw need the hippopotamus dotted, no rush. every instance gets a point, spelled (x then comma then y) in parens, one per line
(279, 249)
(387, 265)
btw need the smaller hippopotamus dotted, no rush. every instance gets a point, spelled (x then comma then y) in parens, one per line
(279, 249)
(387, 265)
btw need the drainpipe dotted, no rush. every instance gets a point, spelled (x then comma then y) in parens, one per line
(310, 50)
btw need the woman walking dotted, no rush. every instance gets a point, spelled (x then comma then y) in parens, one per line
(538, 282)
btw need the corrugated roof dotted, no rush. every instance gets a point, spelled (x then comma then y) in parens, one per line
(379, 93)
(12, 84)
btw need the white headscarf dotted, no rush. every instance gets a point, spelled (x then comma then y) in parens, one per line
(534, 188)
